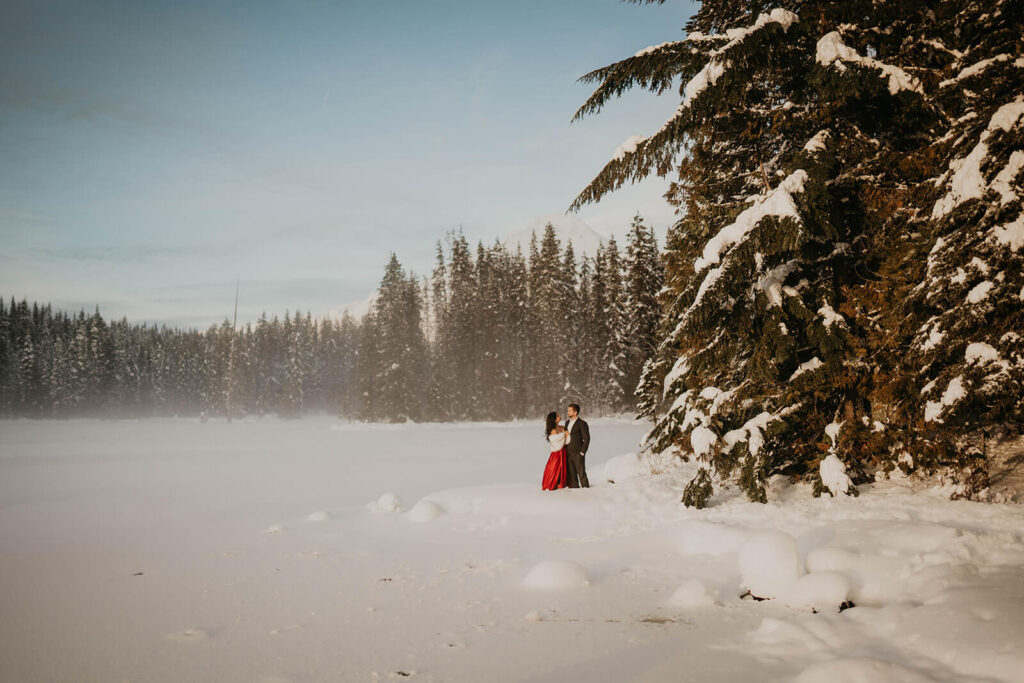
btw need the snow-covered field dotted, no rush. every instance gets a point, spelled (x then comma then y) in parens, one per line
(269, 551)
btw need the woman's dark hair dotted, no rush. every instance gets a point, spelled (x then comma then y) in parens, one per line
(551, 423)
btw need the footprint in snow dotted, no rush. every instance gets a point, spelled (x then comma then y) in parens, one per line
(321, 516)
(189, 635)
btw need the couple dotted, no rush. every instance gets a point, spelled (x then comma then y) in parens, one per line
(569, 443)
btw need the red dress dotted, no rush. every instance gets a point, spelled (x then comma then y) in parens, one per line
(555, 473)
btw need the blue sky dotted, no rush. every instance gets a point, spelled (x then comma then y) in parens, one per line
(151, 153)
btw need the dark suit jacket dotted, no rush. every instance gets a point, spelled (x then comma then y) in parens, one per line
(580, 441)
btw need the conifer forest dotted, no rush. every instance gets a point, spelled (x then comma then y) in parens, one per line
(489, 335)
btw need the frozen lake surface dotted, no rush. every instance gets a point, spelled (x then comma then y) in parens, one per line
(267, 550)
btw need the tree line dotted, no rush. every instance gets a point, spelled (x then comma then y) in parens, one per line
(490, 334)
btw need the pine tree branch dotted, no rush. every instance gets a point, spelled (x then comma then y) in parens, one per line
(653, 69)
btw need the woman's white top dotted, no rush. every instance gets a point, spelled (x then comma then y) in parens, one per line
(558, 440)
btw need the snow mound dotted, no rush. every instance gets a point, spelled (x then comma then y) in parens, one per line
(834, 477)
(691, 595)
(623, 467)
(629, 465)
(859, 670)
(321, 516)
(556, 575)
(275, 529)
(829, 559)
(874, 579)
(769, 563)
(707, 538)
(821, 592)
(388, 503)
(424, 511)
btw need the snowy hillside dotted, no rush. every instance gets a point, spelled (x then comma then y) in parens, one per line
(585, 240)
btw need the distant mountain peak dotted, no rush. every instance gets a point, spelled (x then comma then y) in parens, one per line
(568, 228)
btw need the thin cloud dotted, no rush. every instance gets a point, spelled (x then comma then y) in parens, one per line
(123, 254)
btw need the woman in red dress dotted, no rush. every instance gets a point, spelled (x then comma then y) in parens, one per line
(554, 473)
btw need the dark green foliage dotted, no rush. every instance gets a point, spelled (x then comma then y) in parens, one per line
(643, 279)
(826, 241)
(400, 377)
(697, 493)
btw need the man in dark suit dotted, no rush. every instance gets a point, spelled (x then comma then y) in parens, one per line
(579, 442)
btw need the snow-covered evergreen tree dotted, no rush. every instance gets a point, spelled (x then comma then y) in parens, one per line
(964, 316)
(401, 347)
(515, 302)
(572, 360)
(616, 391)
(643, 279)
(462, 329)
(802, 144)
(548, 293)
(299, 352)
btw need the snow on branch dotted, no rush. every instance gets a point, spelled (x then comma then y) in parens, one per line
(967, 181)
(715, 67)
(832, 51)
(651, 49)
(953, 393)
(771, 282)
(634, 159)
(977, 68)
(809, 366)
(779, 202)
(1011, 234)
(679, 368)
(778, 15)
(818, 142)
(1004, 181)
(628, 147)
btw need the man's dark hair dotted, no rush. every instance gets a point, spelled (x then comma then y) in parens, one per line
(576, 407)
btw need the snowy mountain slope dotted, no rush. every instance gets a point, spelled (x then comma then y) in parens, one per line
(356, 309)
(585, 240)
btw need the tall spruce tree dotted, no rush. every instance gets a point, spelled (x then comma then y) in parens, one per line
(616, 391)
(515, 304)
(643, 281)
(463, 334)
(548, 293)
(963, 319)
(805, 143)
(440, 368)
(368, 368)
(572, 360)
(401, 365)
